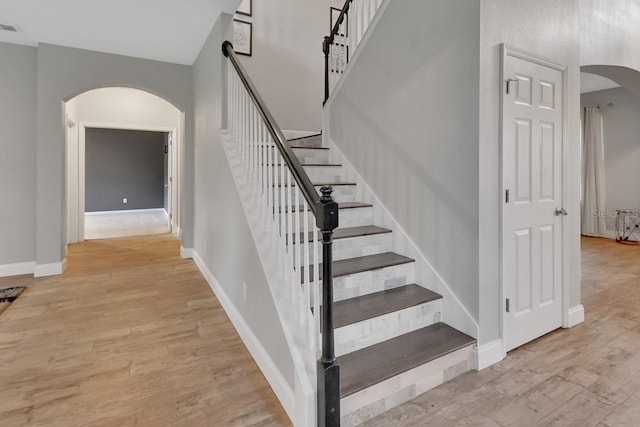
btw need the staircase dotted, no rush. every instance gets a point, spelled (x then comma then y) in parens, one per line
(364, 334)
(389, 338)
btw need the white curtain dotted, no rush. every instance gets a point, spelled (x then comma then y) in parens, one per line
(593, 197)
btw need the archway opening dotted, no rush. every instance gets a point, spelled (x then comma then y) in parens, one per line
(610, 199)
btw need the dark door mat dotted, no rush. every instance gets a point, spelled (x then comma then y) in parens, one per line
(9, 295)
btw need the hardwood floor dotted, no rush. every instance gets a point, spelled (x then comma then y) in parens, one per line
(131, 334)
(585, 376)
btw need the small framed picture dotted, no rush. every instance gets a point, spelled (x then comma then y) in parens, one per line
(343, 31)
(242, 37)
(246, 8)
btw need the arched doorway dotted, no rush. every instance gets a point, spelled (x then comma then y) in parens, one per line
(120, 111)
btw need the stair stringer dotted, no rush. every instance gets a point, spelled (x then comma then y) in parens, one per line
(454, 313)
(300, 405)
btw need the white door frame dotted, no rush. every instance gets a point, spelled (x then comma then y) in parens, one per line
(77, 187)
(506, 51)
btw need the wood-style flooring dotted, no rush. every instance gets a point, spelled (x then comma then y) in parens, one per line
(131, 334)
(585, 376)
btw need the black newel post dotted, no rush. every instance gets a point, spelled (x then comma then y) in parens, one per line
(328, 370)
(326, 47)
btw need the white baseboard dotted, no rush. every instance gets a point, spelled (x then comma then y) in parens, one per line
(17, 269)
(576, 316)
(186, 253)
(281, 388)
(53, 269)
(488, 354)
(125, 211)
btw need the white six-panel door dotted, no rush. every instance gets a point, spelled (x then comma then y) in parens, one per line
(532, 177)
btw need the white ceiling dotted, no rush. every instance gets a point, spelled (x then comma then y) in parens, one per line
(164, 30)
(593, 82)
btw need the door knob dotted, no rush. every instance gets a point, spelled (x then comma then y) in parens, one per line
(561, 211)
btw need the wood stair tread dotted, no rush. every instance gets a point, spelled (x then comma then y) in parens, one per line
(365, 307)
(353, 205)
(348, 266)
(371, 365)
(302, 147)
(349, 232)
(315, 135)
(332, 184)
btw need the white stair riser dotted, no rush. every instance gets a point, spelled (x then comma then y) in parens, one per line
(367, 404)
(341, 194)
(355, 217)
(368, 282)
(304, 155)
(363, 334)
(324, 174)
(347, 218)
(308, 155)
(314, 141)
(354, 247)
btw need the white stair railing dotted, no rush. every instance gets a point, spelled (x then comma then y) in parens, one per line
(286, 215)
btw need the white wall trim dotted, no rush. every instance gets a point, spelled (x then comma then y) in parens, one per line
(269, 369)
(186, 253)
(488, 354)
(125, 211)
(53, 269)
(575, 316)
(17, 269)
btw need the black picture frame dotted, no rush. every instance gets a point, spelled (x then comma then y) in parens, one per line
(240, 30)
(244, 10)
(334, 14)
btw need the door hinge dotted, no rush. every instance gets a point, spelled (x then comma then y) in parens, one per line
(170, 216)
(506, 196)
(509, 84)
(508, 305)
(170, 179)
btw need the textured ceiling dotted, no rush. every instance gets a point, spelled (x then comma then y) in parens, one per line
(164, 30)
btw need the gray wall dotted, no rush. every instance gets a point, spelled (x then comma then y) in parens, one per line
(407, 118)
(124, 164)
(221, 233)
(66, 72)
(17, 153)
(287, 65)
(621, 147)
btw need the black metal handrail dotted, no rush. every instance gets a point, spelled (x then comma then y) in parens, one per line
(306, 186)
(325, 210)
(328, 41)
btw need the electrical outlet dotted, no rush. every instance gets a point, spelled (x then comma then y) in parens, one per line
(125, 201)
(244, 291)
